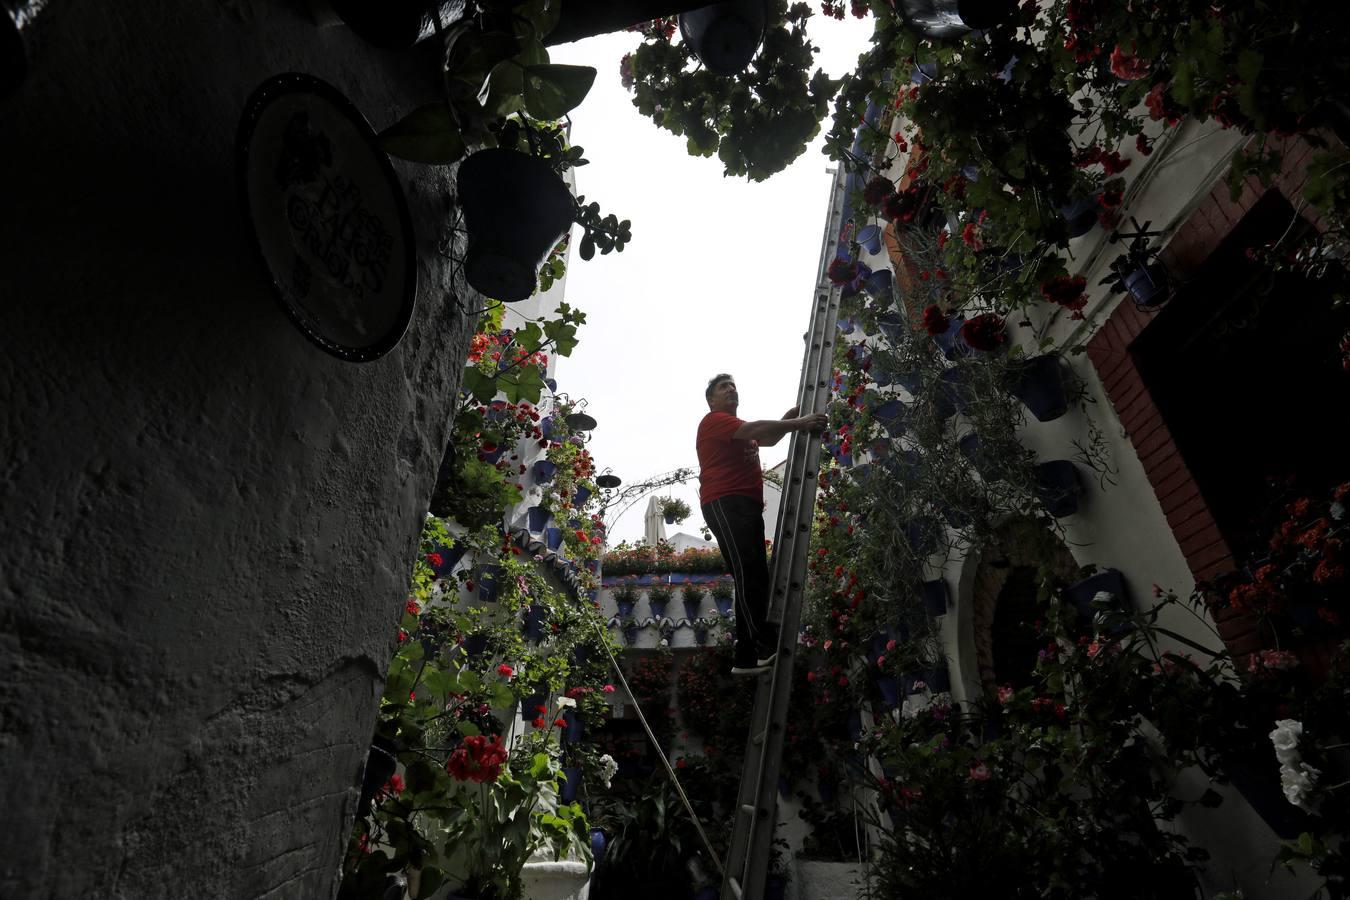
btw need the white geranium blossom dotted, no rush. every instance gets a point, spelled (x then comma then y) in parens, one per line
(566, 703)
(1298, 780)
(1285, 739)
(608, 768)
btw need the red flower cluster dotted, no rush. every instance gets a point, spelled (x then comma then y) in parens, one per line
(935, 320)
(877, 190)
(1094, 154)
(1067, 291)
(1127, 65)
(842, 271)
(1161, 106)
(435, 560)
(478, 759)
(985, 332)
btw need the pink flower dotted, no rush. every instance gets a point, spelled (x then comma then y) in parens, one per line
(608, 689)
(1093, 649)
(979, 771)
(890, 645)
(1005, 694)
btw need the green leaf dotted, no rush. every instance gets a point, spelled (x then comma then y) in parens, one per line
(468, 729)
(483, 387)
(552, 91)
(427, 135)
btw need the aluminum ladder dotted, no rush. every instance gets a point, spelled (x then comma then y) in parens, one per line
(747, 865)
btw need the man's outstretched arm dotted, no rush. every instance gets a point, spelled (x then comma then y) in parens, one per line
(770, 431)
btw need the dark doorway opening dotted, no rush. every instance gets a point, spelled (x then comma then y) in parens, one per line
(1016, 640)
(1244, 367)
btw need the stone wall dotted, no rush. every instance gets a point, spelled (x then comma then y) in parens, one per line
(206, 523)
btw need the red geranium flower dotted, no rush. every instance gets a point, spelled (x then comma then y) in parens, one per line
(935, 320)
(478, 759)
(984, 332)
(1066, 290)
(1127, 66)
(877, 190)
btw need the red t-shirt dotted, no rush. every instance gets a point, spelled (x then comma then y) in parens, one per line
(727, 466)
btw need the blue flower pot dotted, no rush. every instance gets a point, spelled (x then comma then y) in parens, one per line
(475, 645)
(574, 728)
(630, 632)
(543, 471)
(861, 473)
(546, 426)
(869, 238)
(889, 686)
(599, 846)
(846, 325)
(854, 725)
(691, 608)
(581, 496)
(935, 597)
(892, 325)
(950, 341)
(625, 607)
(529, 707)
(537, 518)
(891, 416)
(924, 72)
(953, 385)
(1039, 384)
(487, 583)
(658, 607)
(533, 626)
(553, 538)
(491, 457)
(724, 606)
(1058, 487)
(1149, 285)
(1080, 215)
(450, 557)
(571, 784)
(922, 535)
(581, 654)
(1080, 594)
(880, 286)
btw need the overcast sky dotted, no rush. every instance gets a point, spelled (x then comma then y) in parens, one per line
(718, 277)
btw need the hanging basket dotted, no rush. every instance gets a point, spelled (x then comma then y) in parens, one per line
(537, 518)
(724, 36)
(1058, 487)
(869, 238)
(516, 209)
(544, 471)
(1080, 215)
(1039, 383)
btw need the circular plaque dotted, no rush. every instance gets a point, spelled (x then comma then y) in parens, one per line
(328, 216)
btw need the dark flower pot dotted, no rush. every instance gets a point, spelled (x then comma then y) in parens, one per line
(724, 36)
(1058, 487)
(1080, 594)
(938, 679)
(516, 208)
(626, 607)
(599, 845)
(534, 623)
(889, 686)
(630, 633)
(450, 557)
(892, 325)
(658, 607)
(691, 608)
(922, 535)
(1039, 384)
(581, 496)
(1149, 285)
(935, 597)
(571, 784)
(890, 415)
(950, 341)
(546, 427)
(529, 707)
(1080, 215)
(487, 583)
(953, 385)
(581, 653)
(670, 518)
(879, 285)
(381, 764)
(553, 538)
(985, 14)
(869, 238)
(846, 325)
(537, 518)
(544, 471)
(574, 728)
(700, 635)
(724, 606)
(395, 24)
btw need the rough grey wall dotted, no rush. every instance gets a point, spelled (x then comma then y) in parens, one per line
(206, 525)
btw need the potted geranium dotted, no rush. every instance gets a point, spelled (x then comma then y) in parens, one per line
(723, 590)
(673, 509)
(692, 595)
(658, 596)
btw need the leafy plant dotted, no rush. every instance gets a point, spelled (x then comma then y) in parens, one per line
(673, 508)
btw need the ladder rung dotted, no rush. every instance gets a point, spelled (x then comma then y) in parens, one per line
(735, 887)
(749, 809)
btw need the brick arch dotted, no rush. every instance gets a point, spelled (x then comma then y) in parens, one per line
(1017, 543)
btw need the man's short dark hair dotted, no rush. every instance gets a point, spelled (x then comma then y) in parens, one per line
(716, 379)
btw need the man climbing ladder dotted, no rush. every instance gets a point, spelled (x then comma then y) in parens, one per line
(731, 491)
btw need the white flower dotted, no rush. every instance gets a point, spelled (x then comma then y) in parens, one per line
(1103, 598)
(1298, 780)
(608, 768)
(566, 702)
(665, 643)
(1285, 739)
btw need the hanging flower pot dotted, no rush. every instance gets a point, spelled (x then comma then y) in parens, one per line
(1058, 487)
(889, 686)
(880, 285)
(571, 784)
(475, 645)
(553, 538)
(533, 627)
(924, 72)
(935, 597)
(537, 518)
(599, 845)
(1039, 384)
(381, 764)
(1080, 215)
(1149, 284)
(487, 583)
(543, 471)
(516, 209)
(449, 558)
(922, 535)
(581, 653)
(658, 607)
(700, 633)
(393, 25)
(625, 607)
(691, 608)
(581, 496)
(869, 238)
(546, 427)
(846, 325)
(949, 341)
(630, 632)
(1082, 593)
(574, 727)
(724, 36)
(982, 15)
(724, 605)
(891, 416)
(892, 324)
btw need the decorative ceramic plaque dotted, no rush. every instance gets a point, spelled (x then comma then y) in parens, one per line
(328, 215)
